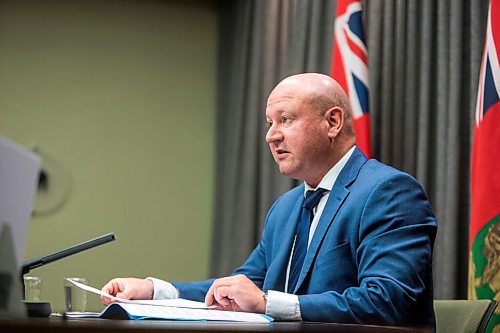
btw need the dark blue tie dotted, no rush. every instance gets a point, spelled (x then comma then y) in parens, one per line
(300, 249)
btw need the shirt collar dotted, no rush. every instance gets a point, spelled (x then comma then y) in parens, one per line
(331, 176)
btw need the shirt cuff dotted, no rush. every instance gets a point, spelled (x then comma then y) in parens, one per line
(163, 289)
(283, 306)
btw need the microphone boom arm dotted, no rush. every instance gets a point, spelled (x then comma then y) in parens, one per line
(34, 263)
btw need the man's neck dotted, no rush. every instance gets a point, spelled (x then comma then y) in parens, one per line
(334, 168)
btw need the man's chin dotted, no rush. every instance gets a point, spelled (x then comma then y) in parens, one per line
(285, 171)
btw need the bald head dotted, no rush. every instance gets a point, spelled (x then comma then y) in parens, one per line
(310, 127)
(319, 91)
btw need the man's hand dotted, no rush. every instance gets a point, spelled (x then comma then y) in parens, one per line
(236, 293)
(128, 288)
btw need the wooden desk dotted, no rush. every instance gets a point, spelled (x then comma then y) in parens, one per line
(42, 325)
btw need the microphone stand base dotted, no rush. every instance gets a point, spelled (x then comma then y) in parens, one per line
(38, 309)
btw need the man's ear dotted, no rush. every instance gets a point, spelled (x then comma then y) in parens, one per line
(335, 120)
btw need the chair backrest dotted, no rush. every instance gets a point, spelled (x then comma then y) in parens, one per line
(463, 316)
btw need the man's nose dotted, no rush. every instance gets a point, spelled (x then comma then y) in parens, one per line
(273, 135)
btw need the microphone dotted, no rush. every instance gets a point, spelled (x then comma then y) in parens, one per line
(43, 309)
(34, 263)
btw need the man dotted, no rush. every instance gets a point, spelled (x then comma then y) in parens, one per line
(365, 254)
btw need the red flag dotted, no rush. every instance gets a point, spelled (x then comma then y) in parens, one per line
(350, 67)
(484, 240)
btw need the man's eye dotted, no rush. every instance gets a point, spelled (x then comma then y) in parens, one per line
(269, 123)
(285, 119)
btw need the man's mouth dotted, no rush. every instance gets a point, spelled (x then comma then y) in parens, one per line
(281, 152)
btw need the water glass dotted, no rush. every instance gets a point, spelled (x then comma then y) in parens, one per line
(75, 298)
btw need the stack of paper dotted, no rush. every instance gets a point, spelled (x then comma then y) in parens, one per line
(170, 309)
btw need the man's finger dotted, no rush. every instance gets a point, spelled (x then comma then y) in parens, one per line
(221, 296)
(209, 297)
(124, 295)
(105, 300)
(235, 306)
(113, 287)
(108, 288)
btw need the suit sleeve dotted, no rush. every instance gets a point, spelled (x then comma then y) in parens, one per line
(393, 259)
(254, 268)
(195, 290)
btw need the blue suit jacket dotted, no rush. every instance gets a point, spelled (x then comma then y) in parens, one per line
(370, 259)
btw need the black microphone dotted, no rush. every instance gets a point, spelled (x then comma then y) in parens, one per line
(43, 309)
(34, 263)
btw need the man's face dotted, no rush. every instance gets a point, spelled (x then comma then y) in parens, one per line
(297, 134)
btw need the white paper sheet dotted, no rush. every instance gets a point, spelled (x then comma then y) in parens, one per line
(178, 302)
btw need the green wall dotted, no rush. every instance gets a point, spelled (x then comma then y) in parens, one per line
(122, 94)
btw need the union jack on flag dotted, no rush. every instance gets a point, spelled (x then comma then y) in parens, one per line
(489, 77)
(350, 67)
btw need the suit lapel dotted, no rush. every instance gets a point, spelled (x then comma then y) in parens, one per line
(337, 196)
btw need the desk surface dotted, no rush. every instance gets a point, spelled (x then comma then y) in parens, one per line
(40, 325)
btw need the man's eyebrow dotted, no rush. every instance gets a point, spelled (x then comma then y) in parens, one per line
(280, 111)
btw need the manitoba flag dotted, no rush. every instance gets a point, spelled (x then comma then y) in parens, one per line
(350, 66)
(484, 241)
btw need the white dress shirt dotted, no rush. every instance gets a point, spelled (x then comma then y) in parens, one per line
(280, 305)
